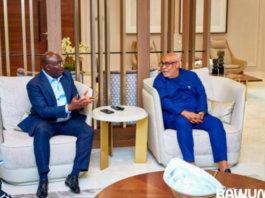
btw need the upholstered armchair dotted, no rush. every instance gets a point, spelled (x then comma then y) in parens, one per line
(163, 143)
(16, 147)
(154, 57)
(232, 64)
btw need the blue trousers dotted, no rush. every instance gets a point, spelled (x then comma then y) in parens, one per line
(44, 131)
(185, 139)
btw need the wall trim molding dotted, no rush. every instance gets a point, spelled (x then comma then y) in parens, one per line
(252, 64)
(259, 37)
(260, 34)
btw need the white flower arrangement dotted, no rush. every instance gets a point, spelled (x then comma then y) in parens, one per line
(69, 59)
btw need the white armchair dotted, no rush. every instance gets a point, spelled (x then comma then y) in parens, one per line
(16, 148)
(163, 143)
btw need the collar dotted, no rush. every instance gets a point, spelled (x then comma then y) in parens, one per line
(50, 79)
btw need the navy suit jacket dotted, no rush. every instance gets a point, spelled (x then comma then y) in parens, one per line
(44, 104)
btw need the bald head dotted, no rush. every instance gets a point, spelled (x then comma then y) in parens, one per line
(172, 56)
(49, 58)
(52, 64)
(170, 65)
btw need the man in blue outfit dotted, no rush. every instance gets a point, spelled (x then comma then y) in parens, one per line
(184, 105)
(55, 111)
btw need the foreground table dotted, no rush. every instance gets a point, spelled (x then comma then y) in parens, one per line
(130, 113)
(152, 185)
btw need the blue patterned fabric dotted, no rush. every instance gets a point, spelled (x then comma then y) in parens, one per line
(131, 89)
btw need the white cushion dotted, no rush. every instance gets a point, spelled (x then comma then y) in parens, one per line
(230, 66)
(17, 150)
(202, 144)
(203, 74)
(221, 109)
(14, 102)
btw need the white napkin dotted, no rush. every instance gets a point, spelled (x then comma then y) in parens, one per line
(190, 180)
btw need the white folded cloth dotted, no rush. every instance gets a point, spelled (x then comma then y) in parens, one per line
(188, 179)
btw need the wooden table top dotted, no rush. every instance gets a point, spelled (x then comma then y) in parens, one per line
(243, 77)
(152, 185)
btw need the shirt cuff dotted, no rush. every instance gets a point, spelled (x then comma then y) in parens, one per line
(66, 109)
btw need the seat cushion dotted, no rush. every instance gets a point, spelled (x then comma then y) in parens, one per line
(202, 144)
(17, 150)
(231, 66)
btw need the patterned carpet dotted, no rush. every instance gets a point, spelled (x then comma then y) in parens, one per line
(64, 194)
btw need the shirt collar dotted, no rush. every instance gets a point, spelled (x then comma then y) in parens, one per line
(50, 79)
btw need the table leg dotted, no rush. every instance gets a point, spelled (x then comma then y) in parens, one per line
(104, 145)
(95, 124)
(110, 140)
(141, 140)
(246, 94)
(124, 124)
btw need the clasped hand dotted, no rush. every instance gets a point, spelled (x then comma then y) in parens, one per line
(194, 118)
(83, 102)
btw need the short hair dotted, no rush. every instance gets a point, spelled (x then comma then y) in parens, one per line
(45, 58)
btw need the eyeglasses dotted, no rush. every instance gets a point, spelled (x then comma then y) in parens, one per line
(161, 64)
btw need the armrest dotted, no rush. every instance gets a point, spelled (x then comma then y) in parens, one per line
(81, 88)
(229, 90)
(242, 63)
(152, 105)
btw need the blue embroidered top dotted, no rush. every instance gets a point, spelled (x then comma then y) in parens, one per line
(185, 92)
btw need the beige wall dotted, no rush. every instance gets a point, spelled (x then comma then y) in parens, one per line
(262, 41)
(246, 27)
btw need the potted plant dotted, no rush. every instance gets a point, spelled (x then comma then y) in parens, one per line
(69, 59)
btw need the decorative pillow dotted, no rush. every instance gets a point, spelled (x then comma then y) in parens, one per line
(221, 110)
(14, 99)
(24, 116)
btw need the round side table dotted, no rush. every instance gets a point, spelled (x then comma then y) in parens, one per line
(130, 113)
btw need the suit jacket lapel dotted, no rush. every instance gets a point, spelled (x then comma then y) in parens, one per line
(66, 88)
(48, 87)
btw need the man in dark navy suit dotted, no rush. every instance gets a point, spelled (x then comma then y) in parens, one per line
(3, 194)
(184, 105)
(55, 111)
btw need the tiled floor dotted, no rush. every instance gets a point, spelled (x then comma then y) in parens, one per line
(252, 159)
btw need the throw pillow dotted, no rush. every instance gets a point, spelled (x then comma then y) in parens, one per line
(221, 110)
(24, 116)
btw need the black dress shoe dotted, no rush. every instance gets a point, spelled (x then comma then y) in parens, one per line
(42, 191)
(4, 194)
(226, 170)
(72, 182)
